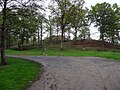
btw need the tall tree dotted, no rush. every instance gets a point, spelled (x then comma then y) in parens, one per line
(40, 32)
(27, 25)
(77, 15)
(114, 24)
(4, 10)
(84, 33)
(49, 27)
(107, 19)
(60, 10)
(6, 5)
(99, 15)
(57, 27)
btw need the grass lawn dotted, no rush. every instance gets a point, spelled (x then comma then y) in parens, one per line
(67, 52)
(18, 74)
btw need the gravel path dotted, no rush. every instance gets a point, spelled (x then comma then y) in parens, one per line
(76, 73)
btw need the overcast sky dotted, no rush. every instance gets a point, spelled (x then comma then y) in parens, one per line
(88, 3)
(93, 2)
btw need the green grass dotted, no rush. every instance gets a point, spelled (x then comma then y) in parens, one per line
(67, 52)
(18, 74)
(33, 52)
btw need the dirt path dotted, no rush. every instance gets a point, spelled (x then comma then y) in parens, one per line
(77, 73)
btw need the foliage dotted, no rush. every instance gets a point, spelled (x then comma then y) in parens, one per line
(107, 19)
(77, 16)
(84, 33)
(16, 6)
(61, 11)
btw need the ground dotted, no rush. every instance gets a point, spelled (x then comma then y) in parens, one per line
(76, 73)
(94, 44)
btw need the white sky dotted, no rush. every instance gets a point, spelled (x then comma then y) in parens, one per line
(93, 2)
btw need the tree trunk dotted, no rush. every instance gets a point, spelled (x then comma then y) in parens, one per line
(102, 37)
(68, 34)
(75, 33)
(113, 40)
(57, 34)
(50, 38)
(41, 43)
(62, 30)
(3, 57)
(22, 39)
(62, 36)
(38, 39)
(8, 40)
(21, 48)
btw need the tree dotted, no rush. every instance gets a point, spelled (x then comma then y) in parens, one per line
(84, 33)
(21, 25)
(3, 31)
(57, 27)
(49, 27)
(77, 16)
(107, 19)
(100, 15)
(114, 24)
(60, 10)
(11, 20)
(6, 5)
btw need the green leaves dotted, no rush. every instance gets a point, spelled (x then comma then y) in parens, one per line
(107, 18)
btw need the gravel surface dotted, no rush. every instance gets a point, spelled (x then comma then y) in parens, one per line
(76, 73)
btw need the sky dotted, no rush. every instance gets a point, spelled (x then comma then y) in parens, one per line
(93, 2)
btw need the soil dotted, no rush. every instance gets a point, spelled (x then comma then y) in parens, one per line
(94, 43)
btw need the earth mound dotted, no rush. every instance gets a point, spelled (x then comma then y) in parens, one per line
(94, 43)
